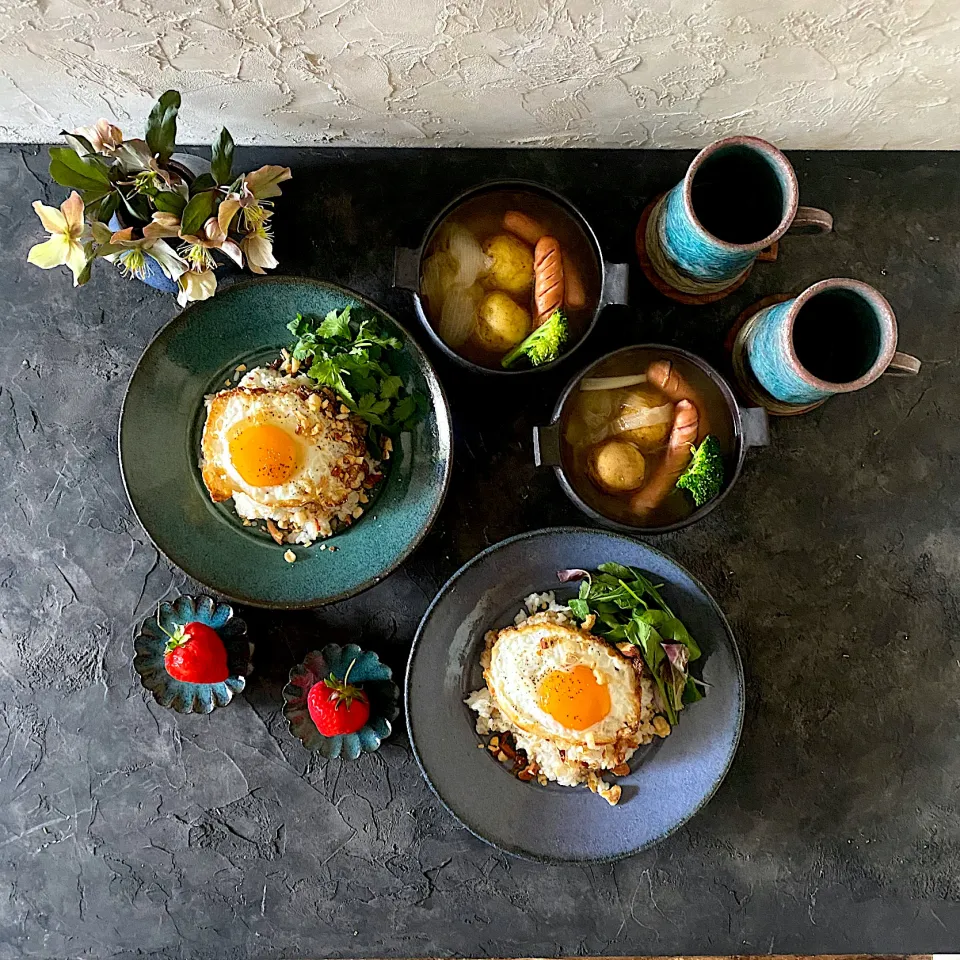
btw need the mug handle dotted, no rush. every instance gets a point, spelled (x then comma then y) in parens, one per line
(903, 365)
(811, 220)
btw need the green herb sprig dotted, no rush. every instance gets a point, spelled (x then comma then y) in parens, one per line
(352, 358)
(629, 608)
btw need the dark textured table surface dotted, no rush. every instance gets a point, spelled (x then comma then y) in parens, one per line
(128, 830)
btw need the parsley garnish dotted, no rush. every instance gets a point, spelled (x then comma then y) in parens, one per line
(352, 358)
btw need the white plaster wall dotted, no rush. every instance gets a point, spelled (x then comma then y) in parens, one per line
(806, 73)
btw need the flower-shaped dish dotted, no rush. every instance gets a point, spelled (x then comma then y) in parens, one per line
(179, 695)
(369, 673)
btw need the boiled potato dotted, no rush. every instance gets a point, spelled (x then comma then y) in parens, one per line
(511, 265)
(616, 466)
(501, 323)
(649, 438)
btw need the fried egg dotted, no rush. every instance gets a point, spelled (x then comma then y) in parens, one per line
(576, 706)
(556, 681)
(285, 452)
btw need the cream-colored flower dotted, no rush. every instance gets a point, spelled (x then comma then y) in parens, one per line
(262, 183)
(67, 236)
(196, 286)
(104, 137)
(212, 237)
(257, 247)
(131, 255)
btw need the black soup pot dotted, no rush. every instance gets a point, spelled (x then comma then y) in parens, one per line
(747, 427)
(613, 277)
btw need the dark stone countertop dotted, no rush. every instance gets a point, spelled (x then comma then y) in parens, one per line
(127, 830)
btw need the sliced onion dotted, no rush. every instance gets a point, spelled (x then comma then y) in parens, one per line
(644, 417)
(439, 271)
(464, 247)
(459, 315)
(612, 383)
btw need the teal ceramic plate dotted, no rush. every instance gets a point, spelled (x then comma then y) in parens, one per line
(162, 421)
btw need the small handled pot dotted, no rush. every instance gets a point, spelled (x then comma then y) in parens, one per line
(408, 266)
(749, 429)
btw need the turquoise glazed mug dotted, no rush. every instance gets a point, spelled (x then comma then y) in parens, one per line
(836, 337)
(739, 196)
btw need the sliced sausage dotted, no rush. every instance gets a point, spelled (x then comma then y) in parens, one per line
(526, 228)
(530, 231)
(548, 270)
(574, 294)
(663, 375)
(683, 435)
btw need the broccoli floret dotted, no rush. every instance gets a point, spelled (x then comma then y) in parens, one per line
(543, 345)
(703, 478)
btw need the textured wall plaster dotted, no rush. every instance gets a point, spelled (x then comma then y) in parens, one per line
(808, 73)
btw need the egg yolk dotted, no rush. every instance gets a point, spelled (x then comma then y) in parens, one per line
(264, 454)
(574, 698)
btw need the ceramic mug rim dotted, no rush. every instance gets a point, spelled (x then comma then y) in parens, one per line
(887, 321)
(520, 184)
(736, 420)
(776, 158)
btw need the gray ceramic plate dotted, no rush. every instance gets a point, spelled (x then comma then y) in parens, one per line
(162, 421)
(669, 781)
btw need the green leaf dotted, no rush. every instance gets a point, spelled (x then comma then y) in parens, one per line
(327, 372)
(204, 182)
(197, 212)
(671, 628)
(390, 386)
(405, 408)
(580, 608)
(106, 207)
(137, 207)
(86, 174)
(79, 143)
(335, 326)
(167, 201)
(691, 692)
(162, 126)
(221, 163)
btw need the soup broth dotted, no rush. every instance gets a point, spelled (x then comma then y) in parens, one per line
(616, 442)
(479, 283)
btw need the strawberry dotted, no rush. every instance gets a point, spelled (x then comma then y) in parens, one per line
(195, 654)
(337, 706)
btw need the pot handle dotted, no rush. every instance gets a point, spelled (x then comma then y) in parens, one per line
(903, 365)
(811, 220)
(616, 283)
(406, 269)
(546, 445)
(756, 427)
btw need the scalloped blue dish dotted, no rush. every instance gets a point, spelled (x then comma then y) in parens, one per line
(177, 694)
(375, 678)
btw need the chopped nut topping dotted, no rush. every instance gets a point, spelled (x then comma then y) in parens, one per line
(290, 556)
(621, 770)
(660, 726)
(313, 401)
